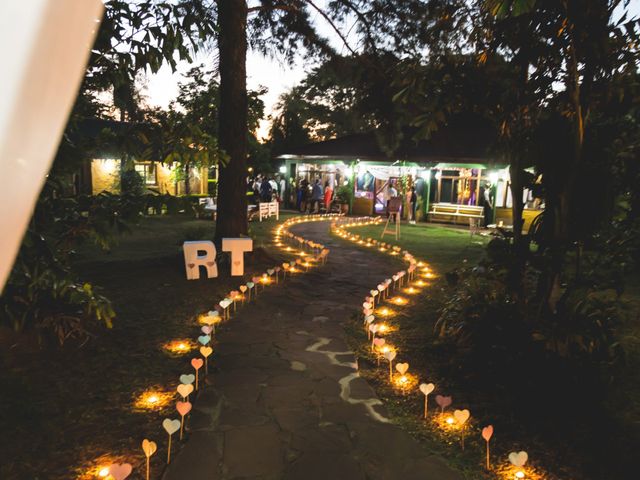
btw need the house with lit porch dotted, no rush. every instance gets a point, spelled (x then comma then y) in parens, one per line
(115, 145)
(449, 171)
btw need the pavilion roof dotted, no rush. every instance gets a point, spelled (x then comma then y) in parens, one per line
(460, 143)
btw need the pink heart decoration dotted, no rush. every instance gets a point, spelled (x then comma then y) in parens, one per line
(378, 342)
(487, 433)
(255, 279)
(518, 459)
(443, 401)
(367, 311)
(402, 368)
(207, 329)
(183, 408)
(120, 471)
(427, 388)
(197, 363)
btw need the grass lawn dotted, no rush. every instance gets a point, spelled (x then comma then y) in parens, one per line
(591, 448)
(443, 247)
(64, 411)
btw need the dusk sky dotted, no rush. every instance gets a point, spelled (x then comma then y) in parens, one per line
(272, 73)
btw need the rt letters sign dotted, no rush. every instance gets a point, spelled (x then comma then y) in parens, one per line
(203, 254)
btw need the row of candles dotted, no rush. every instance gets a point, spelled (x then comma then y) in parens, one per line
(378, 308)
(308, 253)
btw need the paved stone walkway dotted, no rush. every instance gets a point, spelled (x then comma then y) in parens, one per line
(285, 401)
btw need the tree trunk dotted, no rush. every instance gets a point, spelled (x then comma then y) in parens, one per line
(187, 186)
(233, 110)
(520, 246)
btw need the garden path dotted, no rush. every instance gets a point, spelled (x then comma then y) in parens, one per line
(285, 401)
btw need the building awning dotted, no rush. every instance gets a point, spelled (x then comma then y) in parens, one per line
(463, 142)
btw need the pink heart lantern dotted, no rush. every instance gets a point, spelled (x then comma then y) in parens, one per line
(183, 408)
(443, 402)
(120, 471)
(197, 363)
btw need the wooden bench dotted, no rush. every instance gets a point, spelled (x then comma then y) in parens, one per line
(452, 211)
(267, 209)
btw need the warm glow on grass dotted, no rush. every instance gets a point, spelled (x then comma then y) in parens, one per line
(153, 399)
(384, 349)
(206, 319)
(420, 283)
(446, 422)
(405, 383)
(385, 329)
(411, 291)
(511, 472)
(384, 312)
(179, 346)
(399, 301)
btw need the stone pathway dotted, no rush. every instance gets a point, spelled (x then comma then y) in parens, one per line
(285, 400)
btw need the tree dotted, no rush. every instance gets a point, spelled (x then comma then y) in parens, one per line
(42, 290)
(231, 219)
(289, 29)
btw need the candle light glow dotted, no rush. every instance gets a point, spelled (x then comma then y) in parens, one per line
(405, 382)
(179, 346)
(399, 300)
(153, 399)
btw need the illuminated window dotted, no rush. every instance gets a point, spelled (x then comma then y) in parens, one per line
(148, 172)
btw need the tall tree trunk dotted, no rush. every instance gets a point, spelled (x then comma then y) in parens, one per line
(520, 246)
(187, 186)
(233, 111)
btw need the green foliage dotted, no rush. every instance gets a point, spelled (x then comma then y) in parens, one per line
(131, 182)
(42, 292)
(344, 194)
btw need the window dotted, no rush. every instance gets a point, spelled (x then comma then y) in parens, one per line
(148, 172)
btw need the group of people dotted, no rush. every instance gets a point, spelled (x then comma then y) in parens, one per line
(266, 189)
(313, 197)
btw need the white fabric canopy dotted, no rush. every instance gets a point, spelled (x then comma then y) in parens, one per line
(44, 45)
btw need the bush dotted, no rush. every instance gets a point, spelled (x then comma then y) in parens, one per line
(131, 183)
(42, 294)
(344, 194)
(517, 351)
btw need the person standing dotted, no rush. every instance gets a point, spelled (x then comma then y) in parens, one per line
(266, 191)
(328, 195)
(304, 195)
(283, 189)
(413, 204)
(316, 196)
(488, 205)
(274, 187)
